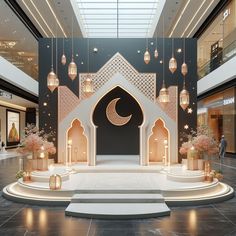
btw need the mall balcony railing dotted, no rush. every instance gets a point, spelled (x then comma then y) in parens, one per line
(219, 59)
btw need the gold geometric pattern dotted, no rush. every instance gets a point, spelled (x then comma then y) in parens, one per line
(145, 82)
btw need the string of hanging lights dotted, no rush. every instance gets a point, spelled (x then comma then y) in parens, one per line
(72, 68)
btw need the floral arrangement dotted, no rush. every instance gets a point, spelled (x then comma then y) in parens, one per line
(20, 174)
(202, 141)
(217, 174)
(35, 140)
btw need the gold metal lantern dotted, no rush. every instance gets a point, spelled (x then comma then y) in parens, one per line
(55, 182)
(72, 69)
(164, 97)
(52, 81)
(184, 98)
(88, 85)
(63, 59)
(172, 65)
(147, 56)
(156, 53)
(184, 69)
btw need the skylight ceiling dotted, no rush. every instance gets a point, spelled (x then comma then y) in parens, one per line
(118, 18)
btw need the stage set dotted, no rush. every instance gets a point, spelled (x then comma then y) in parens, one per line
(118, 109)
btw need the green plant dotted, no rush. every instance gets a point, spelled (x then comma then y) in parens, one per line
(20, 174)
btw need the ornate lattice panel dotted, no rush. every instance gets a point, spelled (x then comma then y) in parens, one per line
(67, 102)
(145, 82)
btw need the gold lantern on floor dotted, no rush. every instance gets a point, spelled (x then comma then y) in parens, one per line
(27, 176)
(55, 182)
(184, 98)
(147, 56)
(72, 69)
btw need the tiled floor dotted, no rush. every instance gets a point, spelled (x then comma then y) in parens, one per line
(21, 219)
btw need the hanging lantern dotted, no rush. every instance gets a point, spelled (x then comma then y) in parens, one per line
(164, 95)
(88, 85)
(184, 69)
(72, 69)
(147, 57)
(52, 81)
(184, 98)
(55, 182)
(156, 53)
(172, 65)
(63, 59)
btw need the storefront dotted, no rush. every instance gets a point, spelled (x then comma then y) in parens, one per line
(218, 111)
(217, 43)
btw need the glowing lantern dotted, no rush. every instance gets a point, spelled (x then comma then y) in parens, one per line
(72, 69)
(184, 98)
(55, 182)
(147, 56)
(52, 81)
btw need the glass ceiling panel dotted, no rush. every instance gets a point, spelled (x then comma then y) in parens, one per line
(118, 18)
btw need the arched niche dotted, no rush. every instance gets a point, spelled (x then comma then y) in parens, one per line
(114, 139)
(79, 142)
(157, 142)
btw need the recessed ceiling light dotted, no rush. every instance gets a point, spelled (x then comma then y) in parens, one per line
(95, 50)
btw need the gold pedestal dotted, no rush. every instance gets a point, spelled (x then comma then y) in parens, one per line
(192, 164)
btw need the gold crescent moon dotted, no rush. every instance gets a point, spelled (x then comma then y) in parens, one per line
(113, 116)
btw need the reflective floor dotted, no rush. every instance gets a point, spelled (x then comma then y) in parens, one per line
(21, 219)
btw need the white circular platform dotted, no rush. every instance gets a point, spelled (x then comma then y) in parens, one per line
(174, 186)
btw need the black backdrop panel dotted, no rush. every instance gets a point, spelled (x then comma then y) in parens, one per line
(132, 50)
(112, 139)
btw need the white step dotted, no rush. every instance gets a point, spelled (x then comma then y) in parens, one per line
(117, 210)
(117, 198)
(119, 191)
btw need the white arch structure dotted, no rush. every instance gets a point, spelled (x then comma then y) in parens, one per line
(151, 112)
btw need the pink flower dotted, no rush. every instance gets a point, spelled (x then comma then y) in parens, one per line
(34, 140)
(49, 147)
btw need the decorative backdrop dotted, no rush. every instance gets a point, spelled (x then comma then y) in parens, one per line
(133, 51)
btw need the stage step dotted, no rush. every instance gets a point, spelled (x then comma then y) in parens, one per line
(117, 198)
(117, 206)
(117, 210)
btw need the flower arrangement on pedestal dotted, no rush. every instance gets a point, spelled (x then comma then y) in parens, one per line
(36, 145)
(200, 146)
(202, 142)
(34, 141)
